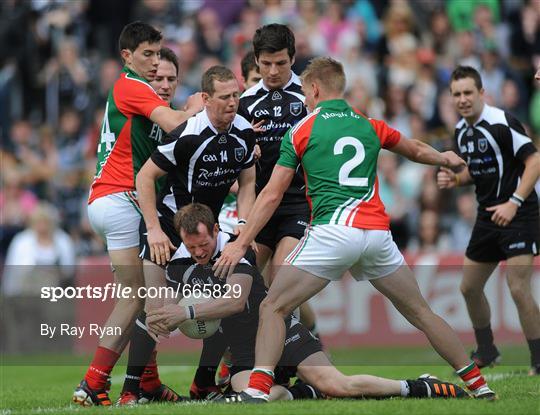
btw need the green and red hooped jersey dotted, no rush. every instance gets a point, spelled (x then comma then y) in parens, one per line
(338, 148)
(128, 136)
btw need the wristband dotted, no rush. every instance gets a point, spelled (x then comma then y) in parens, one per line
(515, 200)
(190, 312)
(518, 197)
(457, 179)
(242, 221)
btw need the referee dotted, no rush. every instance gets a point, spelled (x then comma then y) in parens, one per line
(504, 166)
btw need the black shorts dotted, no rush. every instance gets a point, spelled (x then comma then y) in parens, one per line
(492, 243)
(282, 225)
(167, 226)
(299, 344)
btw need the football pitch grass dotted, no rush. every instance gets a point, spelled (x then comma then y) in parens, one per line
(27, 386)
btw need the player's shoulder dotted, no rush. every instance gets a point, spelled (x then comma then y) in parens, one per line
(494, 115)
(253, 92)
(241, 123)
(130, 82)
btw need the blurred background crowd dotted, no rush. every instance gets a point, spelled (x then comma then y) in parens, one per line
(59, 59)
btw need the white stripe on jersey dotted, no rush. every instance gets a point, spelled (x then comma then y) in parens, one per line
(367, 197)
(334, 217)
(170, 201)
(460, 136)
(252, 106)
(168, 151)
(193, 160)
(297, 95)
(498, 154)
(519, 140)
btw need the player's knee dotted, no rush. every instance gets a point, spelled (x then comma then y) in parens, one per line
(469, 290)
(518, 290)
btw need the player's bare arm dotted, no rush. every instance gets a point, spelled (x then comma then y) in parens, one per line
(159, 243)
(447, 179)
(167, 318)
(265, 205)
(168, 119)
(420, 152)
(246, 193)
(505, 212)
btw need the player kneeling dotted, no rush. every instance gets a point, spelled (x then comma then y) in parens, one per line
(236, 302)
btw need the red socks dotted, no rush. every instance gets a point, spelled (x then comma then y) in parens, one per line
(150, 377)
(261, 380)
(472, 377)
(101, 367)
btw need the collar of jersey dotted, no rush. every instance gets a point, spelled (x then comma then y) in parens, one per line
(482, 117)
(133, 74)
(293, 80)
(333, 103)
(206, 119)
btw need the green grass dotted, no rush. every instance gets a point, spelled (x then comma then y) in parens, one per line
(30, 387)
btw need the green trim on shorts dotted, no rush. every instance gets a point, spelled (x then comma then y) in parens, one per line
(295, 255)
(133, 202)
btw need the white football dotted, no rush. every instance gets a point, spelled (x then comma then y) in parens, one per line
(198, 329)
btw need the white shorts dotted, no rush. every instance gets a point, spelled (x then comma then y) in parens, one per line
(116, 218)
(327, 251)
(228, 218)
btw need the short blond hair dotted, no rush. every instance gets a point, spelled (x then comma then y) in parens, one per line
(328, 72)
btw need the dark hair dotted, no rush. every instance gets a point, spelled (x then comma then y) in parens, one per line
(273, 38)
(248, 64)
(215, 73)
(189, 217)
(135, 33)
(168, 55)
(467, 72)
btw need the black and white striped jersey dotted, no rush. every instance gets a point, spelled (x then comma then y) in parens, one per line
(280, 109)
(202, 163)
(495, 149)
(183, 270)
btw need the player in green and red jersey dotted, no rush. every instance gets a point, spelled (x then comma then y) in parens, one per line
(338, 149)
(134, 118)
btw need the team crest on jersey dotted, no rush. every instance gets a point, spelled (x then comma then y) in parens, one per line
(483, 144)
(276, 96)
(296, 108)
(222, 139)
(239, 153)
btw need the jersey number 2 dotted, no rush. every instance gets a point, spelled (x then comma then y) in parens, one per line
(360, 154)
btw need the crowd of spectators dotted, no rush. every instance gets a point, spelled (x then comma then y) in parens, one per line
(59, 58)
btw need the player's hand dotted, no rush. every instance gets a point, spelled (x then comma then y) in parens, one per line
(231, 255)
(253, 244)
(257, 152)
(166, 318)
(257, 126)
(503, 213)
(194, 103)
(446, 178)
(160, 246)
(453, 161)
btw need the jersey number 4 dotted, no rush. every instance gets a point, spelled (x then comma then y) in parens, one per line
(107, 136)
(345, 171)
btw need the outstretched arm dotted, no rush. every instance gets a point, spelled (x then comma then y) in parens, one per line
(420, 152)
(263, 209)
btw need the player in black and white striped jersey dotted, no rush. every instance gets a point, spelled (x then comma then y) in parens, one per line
(202, 158)
(504, 166)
